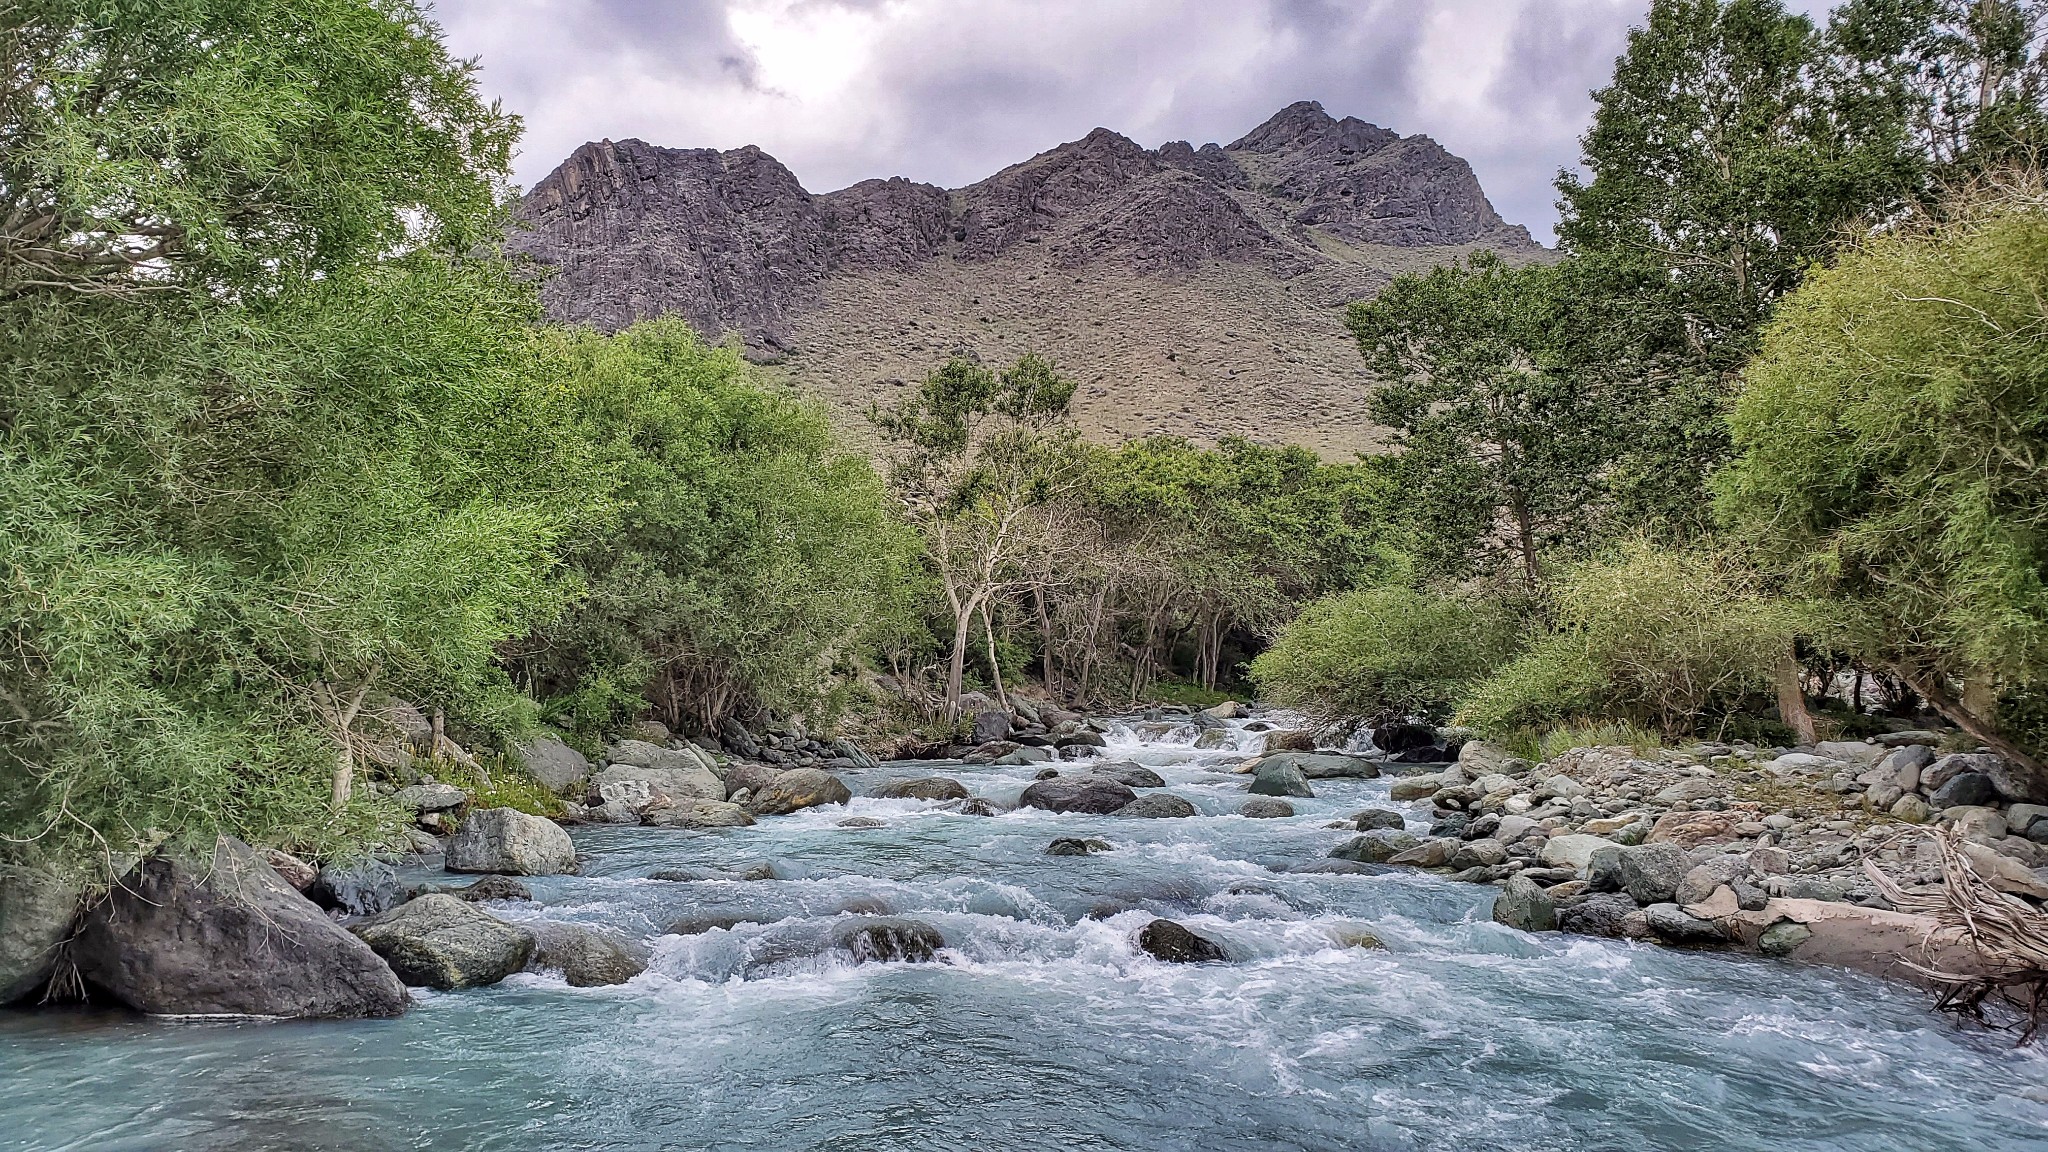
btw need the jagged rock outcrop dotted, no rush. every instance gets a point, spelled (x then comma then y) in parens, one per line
(1171, 272)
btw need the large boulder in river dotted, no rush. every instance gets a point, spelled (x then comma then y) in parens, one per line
(887, 939)
(37, 906)
(797, 789)
(1158, 805)
(1274, 776)
(1327, 765)
(222, 934)
(924, 788)
(1176, 944)
(990, 725)
(694, 813)
(442, 942)
(586, 957)
(361, 887)
(1375, 847)
(1523, 905)
(750, 778)
(1265, 808)
(657, 757)
(1129, 775)
(1090, 794)
(553, 763)
(638, 787)
(510, 841)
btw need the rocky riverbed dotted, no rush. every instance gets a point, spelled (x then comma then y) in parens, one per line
(1159, 936)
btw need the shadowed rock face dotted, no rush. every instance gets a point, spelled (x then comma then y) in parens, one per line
(731, 241)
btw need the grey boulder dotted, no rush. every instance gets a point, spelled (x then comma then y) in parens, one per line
(510, 841)
(357, 888)
(1373, 818)
(1522, 905)
(1176, 944)
(425, 798)
(1266, 808)
(443, 942)
(586, 957)
(553, 763)
(37, 907)
(924, 788)
(223, 935)
(1328, 765)
(1092, 795)
(694, 813)
(1163, 805)
(1128, 775)
(1274, 776)
(1651, 873)
(797, 789)
(1375, 847)
(887, 939)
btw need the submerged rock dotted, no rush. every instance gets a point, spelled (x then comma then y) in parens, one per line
(924, 788)
(494, 888)
(1274, 776)
(441, 942)
(1158, 805)
(1089, 794)
(1074, 846)
(507, 840)
(1602, 914)
(222, 934)
(797, 789)
(1175, 944)
(586, 957)
(37, 907)
(891, 940)
(1128, 775)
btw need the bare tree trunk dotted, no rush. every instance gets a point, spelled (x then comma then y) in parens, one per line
(995, 666)
(1936, 693)
(1792, 700)
(956, 670)
(1045, 638)
(345, 760)
(1525, 536)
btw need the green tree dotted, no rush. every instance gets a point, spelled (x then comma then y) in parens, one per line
(1892, 442)
(1383, 653)
(268, 449)
(976, 452)
(748, 555)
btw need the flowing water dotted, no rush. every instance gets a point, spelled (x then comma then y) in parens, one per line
(1042, 1026)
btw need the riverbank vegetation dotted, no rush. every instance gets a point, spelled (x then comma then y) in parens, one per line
(284, 443)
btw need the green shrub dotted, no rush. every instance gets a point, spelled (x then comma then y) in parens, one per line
(1382, 653)
(1658, 637)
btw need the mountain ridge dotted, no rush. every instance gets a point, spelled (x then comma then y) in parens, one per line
(1273, 232)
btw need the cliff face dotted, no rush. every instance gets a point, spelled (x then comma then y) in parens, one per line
(1303, 213)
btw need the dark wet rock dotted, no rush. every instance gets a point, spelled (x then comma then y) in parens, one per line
(1523, 905)
(441, 942)
(555, 764)
(974, 806)
(494, 888)
(1340, 867)
(1080, 740)
(1947, 768)
(1128, 775)
(924, 788)
(1602, 914)
(1088, 794)
(1651, 873)
(1047, 774)
(1748, 896)
(680, 875)
(862, 822)
(698, 925)
(1676, 925)
(1373, 818)
(990, 725)
(1074, 846)
(37, 907)
(222, 934)
(1375, 847)
(1402, 737)
(358, 888)
(738, 740)
(1277, 777)
(290, 868)
(1175, 944)
(586, 957)
(1158, 805)
(797, 789)
(506, 840)
(1451, 825)
(1965, 789)
(1266, 808)
(1328, 765)
(891, 940)
(757, 872)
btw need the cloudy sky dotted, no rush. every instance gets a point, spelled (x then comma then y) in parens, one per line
(949, 91)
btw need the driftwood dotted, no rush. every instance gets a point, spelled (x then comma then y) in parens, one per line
(2008, 933)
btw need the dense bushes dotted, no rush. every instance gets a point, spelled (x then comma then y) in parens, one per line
(745, 554)
(1383, 653)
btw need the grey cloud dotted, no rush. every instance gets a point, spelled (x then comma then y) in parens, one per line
(948, 91)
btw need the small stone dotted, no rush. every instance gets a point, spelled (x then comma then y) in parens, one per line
(1481, 853)
(1783, 938)
(495, 888)
(1681, 927)
(1158, 805)
(862, 822)
(1434, 853)
(890, 940)
(442, 942)
(1975, 822)
(1912, 809)
(1375, 847)
(1075, 846)
(1373, 818)
(1601, 914)
(1265, 808)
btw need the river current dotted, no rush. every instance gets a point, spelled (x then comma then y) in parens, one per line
(1041, 1026)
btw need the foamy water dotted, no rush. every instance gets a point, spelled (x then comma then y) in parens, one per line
(1042, 1026)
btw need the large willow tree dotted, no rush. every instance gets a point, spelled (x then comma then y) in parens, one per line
(267, 450)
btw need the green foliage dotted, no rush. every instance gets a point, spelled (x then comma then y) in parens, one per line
(747, 553)
(1657, 637)
(290, 461)
(1382, 653)
(236, 145)
(1892, 441)
(500, 785)
(1541, 746)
